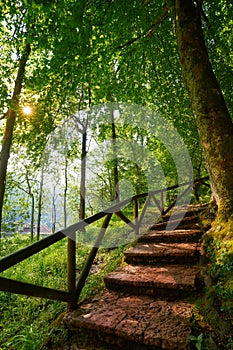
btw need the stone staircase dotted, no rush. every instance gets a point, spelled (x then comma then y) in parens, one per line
(147, 303)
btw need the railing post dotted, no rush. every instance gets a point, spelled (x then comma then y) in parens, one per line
(71, 268)
(136, 216)
(71, 296)
(90, 259)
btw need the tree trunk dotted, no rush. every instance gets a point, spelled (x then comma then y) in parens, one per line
(212, 117)
(10, 122)
(54, 213)
(40, 204)
(82, 204)
(116, 191)
(32, 215)
(65, 192)
(32, 205)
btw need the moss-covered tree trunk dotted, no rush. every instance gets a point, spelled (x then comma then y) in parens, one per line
(212, 117)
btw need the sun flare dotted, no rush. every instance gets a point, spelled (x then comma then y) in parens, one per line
(27, 110)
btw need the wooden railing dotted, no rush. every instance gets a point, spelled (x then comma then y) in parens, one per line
(74, 289)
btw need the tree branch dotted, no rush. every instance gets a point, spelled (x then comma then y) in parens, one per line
(151, 29)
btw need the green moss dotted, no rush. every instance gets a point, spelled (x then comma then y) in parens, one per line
(207, 217)
(214, 315)
(225, 211)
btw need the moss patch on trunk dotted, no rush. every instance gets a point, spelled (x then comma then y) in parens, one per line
(214, 313)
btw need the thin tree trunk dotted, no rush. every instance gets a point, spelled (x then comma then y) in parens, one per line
(54, 214)
(32, 205)
(82, 205)
(83, 176)
(40, 205)
(116, 193)
(65, 193)
(10, 122)
(212, 117)
(32, 214)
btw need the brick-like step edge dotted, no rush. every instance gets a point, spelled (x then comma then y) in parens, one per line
(186, 223)
(134, 321)
(163, 253)
(169, 281)
(170, 236)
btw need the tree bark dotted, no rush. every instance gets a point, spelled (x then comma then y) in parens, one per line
(82, 206)
(40, 204)
(212, 116)
(54, 212)
(32, 205)
(32, 215)
(116, 191)
(65, 192)
(10, 122)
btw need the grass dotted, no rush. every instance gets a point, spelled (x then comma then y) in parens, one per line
(28, 323)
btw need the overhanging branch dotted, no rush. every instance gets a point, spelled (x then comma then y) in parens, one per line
(151, 29)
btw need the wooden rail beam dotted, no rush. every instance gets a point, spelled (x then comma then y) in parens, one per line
(73, 293)
(24, 253)
(17, 287)
(125, 219)
(90, 259)
(71, 266)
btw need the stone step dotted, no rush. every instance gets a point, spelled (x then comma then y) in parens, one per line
(163, 253)
(134, 322)
(185, 211)
(189, 222)
(171, 236)
(180, 214)
(169, 281)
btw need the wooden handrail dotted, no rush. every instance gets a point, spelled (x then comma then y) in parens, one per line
(24, 253)
(179, 197)
(24, 288)
(90, 259)
(74, 292)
